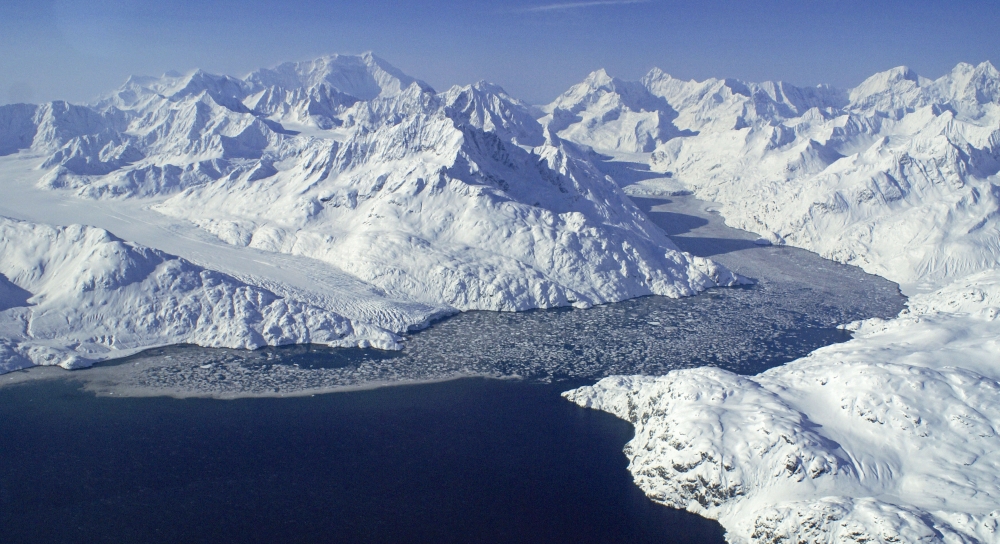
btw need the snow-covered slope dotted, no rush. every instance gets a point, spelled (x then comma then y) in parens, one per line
(459, 199)
(440, 207)
(608, 113)
(891, 437)
(317, 92)
(74, 295)
(897, 176)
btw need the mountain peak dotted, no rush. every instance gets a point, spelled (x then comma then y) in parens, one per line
(902, 72)
(891, 76)
(969, 86)
(964, 71)
(599, 78)
(176, 86)
(364, 76)
(656, 74)
(485, 86)
(894, 85)
(983, 69)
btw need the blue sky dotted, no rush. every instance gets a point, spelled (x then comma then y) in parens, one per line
(73, 50)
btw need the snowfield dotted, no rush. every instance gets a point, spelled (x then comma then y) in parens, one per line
(890, 437)
(363, 201)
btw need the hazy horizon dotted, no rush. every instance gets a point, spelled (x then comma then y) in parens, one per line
(62, 49)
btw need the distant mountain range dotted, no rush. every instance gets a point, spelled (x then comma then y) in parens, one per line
(834, 171)
(897, 175)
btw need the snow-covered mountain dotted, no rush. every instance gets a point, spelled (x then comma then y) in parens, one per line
(608, 113)
(456, 200)
(340, 201)
(897, 175)
(319, 91)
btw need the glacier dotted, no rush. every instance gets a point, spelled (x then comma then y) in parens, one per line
(84, 294)
(340, 186)
(891, 436)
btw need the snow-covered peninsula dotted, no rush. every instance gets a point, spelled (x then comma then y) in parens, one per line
(359, 197)
(892, 436)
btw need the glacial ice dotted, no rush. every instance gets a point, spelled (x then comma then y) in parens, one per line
(75, 295)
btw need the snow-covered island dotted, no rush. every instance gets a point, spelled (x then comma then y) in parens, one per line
(336, 201)
(893, 436)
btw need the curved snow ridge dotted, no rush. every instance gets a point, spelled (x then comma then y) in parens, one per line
(893, 436)
(76, 295)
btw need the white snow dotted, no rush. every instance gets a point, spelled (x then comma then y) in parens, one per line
(893, 436)
(340, 201)
(380, 201)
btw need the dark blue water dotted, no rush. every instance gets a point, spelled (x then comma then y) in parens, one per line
(470, 460)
